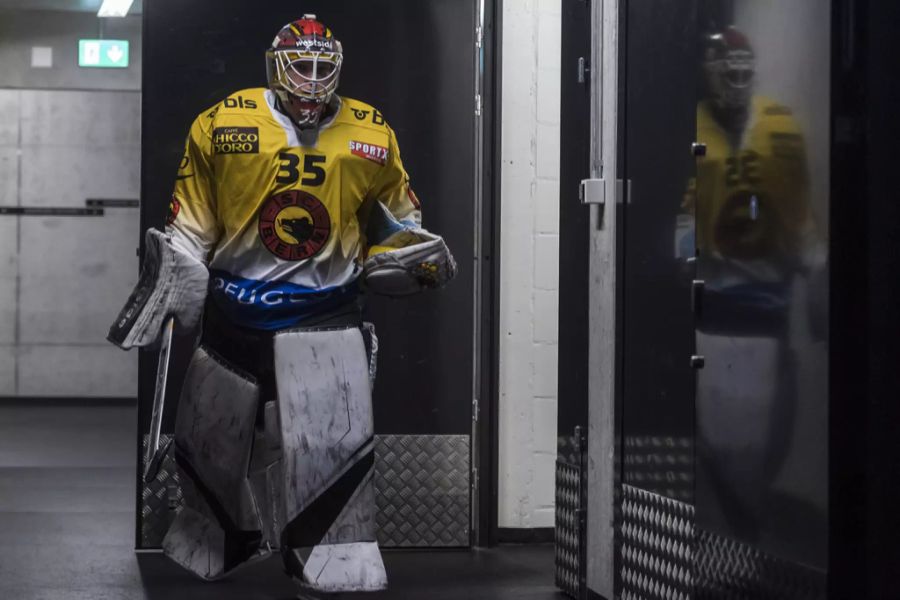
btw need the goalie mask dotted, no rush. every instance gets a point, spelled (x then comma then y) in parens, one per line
(303, 68)
(729, 68)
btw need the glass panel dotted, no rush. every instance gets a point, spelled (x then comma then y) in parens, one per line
(761, 204)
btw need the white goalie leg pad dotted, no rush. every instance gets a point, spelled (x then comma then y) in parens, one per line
(325, 410)
(219, 528)
(330, 566)
(420, 260)
(338, 564)
(172, 282)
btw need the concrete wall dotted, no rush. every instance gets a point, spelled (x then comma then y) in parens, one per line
(63, 139)
(530, 258)
(63, 279)
(22, 30)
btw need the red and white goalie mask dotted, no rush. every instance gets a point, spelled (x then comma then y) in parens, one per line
(730, 69)
(303, 68)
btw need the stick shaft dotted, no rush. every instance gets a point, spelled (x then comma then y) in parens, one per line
(159, 394)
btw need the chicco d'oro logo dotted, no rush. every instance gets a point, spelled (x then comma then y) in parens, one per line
(236, 140)
(294, 225)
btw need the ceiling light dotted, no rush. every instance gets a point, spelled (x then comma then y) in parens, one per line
(114, 8)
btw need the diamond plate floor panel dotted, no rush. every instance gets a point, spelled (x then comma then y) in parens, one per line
(421, 493)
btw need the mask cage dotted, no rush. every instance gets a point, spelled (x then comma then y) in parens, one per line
(307, 75)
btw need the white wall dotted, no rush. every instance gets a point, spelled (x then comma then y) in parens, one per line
(529, 262)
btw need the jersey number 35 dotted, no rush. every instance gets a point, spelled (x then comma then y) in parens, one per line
(289, 171)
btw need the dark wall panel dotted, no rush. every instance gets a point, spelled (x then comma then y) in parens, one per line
(864, 524)
(396, 58)
(883, 297)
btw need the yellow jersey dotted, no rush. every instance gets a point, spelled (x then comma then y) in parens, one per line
(279, 219)
(750, 196)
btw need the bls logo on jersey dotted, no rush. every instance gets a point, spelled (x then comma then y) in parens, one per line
(239, 102)
(236, 140)
(378, 154)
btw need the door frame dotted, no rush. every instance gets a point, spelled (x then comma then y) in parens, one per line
(486, 337)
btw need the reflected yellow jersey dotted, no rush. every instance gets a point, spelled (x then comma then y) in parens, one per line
(282, 225)
(750, 197)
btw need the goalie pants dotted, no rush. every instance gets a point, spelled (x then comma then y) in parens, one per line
(274, 447)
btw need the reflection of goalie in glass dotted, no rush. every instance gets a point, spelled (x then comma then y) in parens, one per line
(754, 236)
(753, 209)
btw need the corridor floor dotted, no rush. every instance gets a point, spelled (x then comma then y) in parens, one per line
(67, 528)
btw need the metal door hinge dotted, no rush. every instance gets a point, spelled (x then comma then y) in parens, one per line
(476, 409)
(698, 361)
(698, 149)
(583, 69)
(478, 105)
(479, 37)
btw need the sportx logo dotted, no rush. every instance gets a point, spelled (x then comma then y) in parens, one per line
(377, 154)
(236, 140)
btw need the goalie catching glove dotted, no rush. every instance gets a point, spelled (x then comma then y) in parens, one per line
(172, 282)
(407, 262)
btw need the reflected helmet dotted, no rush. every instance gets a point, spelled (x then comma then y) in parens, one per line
(303, 67)
(729, 65)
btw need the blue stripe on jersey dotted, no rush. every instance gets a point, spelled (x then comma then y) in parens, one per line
(273, 304)
(382, 224)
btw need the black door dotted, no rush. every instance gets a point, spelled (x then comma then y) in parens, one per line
(574, 275)
(657, 326)
(724, 387)
(574, 217)
(414, 61)
(657, 72)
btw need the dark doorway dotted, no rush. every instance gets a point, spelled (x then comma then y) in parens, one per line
(424, 83)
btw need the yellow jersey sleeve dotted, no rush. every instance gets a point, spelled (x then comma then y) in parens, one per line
(192, 220)
(391, 186)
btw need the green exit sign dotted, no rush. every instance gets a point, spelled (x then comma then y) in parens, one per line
(103, 53)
